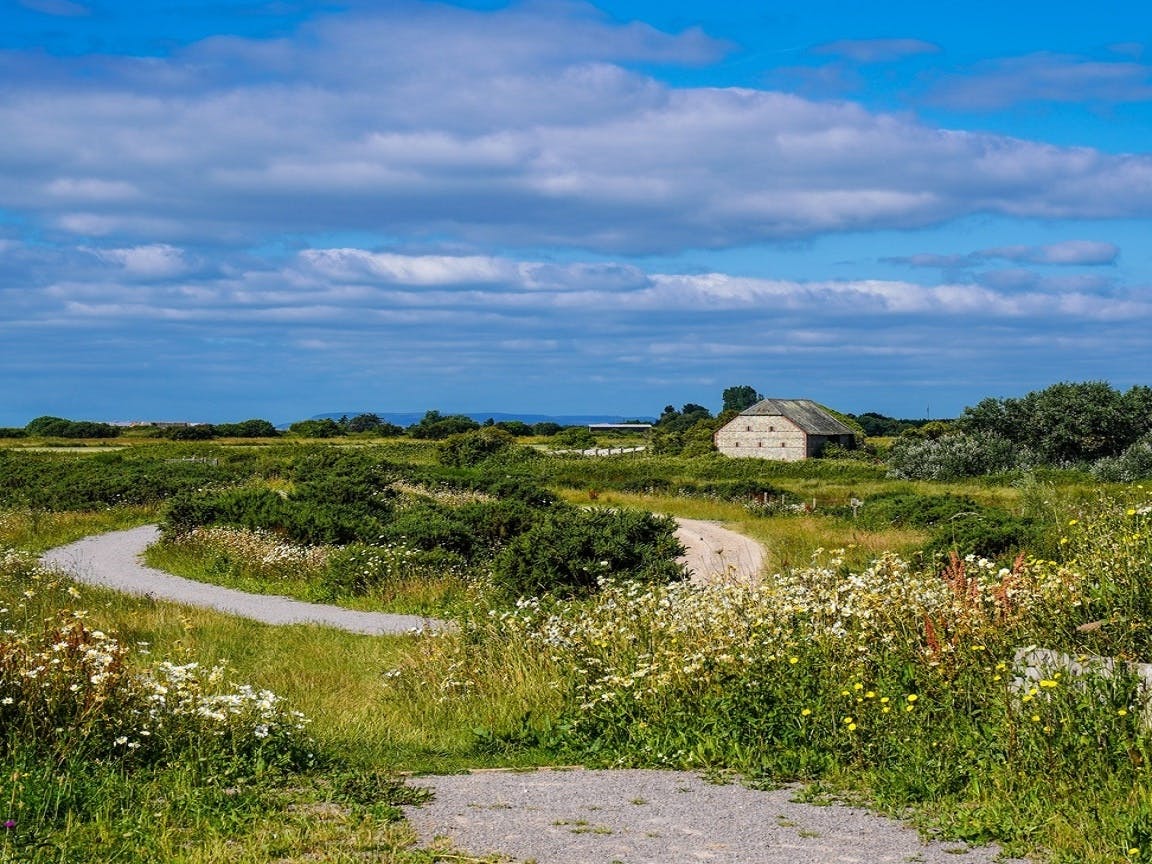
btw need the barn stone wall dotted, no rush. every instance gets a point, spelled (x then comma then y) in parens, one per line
(764, 437)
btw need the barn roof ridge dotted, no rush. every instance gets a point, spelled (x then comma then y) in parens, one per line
(810, 416)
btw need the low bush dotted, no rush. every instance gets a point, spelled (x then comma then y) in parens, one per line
(572, 552)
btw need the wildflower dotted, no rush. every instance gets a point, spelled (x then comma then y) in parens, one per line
(793, 660)
(9, 824)
(912, 697)
(1123, 712)
(807, 712)
(1035, 718)
(1048, 682)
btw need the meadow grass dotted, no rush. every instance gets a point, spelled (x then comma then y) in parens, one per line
(367, 726)
(887, 679)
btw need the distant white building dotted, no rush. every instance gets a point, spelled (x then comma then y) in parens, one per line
(784, 430)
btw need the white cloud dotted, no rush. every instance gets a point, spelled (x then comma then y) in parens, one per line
(535, 133)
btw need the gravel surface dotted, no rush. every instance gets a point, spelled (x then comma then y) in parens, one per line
(661, 817)
(113, 561)
(713, 552)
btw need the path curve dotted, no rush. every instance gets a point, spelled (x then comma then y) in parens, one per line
(570, 817)
(716, 553)
(112, 560)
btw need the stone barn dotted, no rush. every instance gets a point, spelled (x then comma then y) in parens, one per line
(786, 430)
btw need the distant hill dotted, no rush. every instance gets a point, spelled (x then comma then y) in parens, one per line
(407, 418)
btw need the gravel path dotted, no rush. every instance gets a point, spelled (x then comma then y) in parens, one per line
(113, 561)
(713, 552)
(570, 817)
(661, 817)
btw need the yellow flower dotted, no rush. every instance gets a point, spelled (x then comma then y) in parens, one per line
(1073, 521)
(793, 660)
(886, 709)
(847, 719)
(870, 695)
(1035, 718)
(1048, 682)
(1123, 712)
(806, 712)
(883, 699)
(857, 686)
(1133, 851)
(851, 727)
(912, 697)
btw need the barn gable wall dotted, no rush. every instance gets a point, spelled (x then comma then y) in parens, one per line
(763, 437)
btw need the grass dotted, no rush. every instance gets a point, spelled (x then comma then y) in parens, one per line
(369, 724)
(429, 594)
(675, 679)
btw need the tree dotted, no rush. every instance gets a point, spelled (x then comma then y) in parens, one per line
(436, 426)
(363, 423)
(1067, 423)
(254, 428)
(738, 398)
(326, 428)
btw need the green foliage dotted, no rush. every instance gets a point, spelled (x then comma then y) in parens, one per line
(957, 524)
(50, 481)
(673, 421)
(954, 456)
(436, 426)
(471, 448)
(191, 432)
(881, 426)
(10, 432)
(1067, 423)
(571, 551)
(254, 428)
(338, 497)
(58, 427)
(1135, 463)
(738, 398)
(575, 437)
(326, 428)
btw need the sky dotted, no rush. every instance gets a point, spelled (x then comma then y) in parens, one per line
(216, 210)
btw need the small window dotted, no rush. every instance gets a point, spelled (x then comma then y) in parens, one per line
(759, 443)
(737, 444)
(749, 429)
(783, 444)
(771, 428)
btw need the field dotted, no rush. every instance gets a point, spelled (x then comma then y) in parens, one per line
(873, 663)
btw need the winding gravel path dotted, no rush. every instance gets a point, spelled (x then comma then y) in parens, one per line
(113, 561)
(570, 817)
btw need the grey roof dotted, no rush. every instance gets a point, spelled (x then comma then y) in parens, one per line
(803, 412)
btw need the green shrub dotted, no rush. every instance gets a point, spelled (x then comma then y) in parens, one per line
(571, 551)
(471, 448)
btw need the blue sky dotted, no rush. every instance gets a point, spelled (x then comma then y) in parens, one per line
(215, 211)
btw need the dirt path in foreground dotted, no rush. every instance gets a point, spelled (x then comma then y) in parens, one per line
(714, 552)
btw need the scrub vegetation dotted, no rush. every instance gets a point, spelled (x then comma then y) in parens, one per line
(877, 658)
